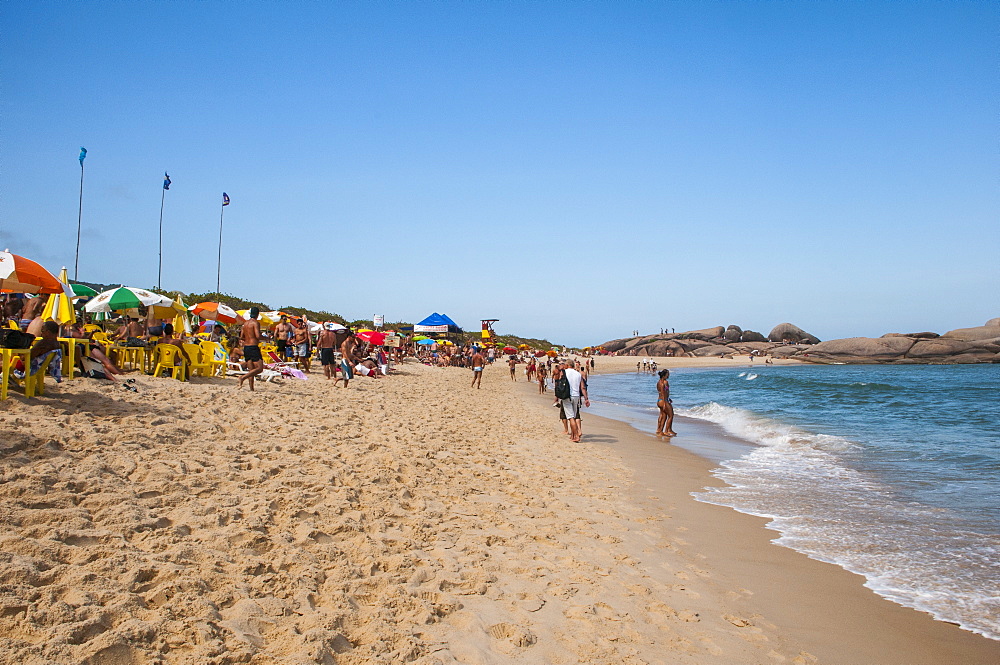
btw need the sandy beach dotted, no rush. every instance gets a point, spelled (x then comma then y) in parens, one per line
(409, 519)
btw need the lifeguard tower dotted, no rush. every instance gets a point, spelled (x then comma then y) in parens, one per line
(488, 334)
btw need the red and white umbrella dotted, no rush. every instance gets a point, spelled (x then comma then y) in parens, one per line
(216, 311)
(21, 275)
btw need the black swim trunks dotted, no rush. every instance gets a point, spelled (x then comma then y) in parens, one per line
(282, 343)
(326, 356)
(252, 353)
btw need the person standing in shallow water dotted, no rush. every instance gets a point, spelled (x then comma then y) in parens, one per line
(665, 423)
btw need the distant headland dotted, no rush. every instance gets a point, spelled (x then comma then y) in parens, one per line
(980, 344)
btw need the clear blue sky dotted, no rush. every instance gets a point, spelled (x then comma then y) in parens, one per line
(576, 170)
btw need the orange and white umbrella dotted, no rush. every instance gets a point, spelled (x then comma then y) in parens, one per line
(215, 311)
(21, 275)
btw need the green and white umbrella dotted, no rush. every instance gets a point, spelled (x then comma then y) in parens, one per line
(82, 291)
(126, 297)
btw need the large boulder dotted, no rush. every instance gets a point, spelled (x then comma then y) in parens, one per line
(664, 348)
(972, 334)
(751, 336)
(691, 344)
(711, 350)
(994, 323)
(706, 334)
(872, 349)
(747, 347)
(789, 350)
(615, 345)
(786, 332)
(733, 334)
(936, 348)
(917, 335)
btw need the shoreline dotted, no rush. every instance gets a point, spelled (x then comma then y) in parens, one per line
(803, 596)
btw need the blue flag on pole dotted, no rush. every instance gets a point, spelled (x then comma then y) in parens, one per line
(83, 155)
(166, 180)
(225, 199)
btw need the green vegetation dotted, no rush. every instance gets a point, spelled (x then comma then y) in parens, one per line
(322, 315)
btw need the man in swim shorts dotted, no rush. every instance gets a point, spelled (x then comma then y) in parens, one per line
(478, 362)
(326, 343)
(250, 339)
(300, 343)
(282, 332)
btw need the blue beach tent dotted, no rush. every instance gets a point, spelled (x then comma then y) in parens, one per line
(437, 323)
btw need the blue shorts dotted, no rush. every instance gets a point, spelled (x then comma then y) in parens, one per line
(346, 368)
(477, 369)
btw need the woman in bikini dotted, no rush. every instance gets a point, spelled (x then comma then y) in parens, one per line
(664, 425)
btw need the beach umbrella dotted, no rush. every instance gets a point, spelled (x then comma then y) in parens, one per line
(426, 342)
(523, 347)
(372, 337)
(417, 338)
(265, 318)
(82, 290)
(59, 307)
(181, 319)
(127, 297)
(334, 326)
(539, 354)
(216, 311)
(509, 349)
(21, 275)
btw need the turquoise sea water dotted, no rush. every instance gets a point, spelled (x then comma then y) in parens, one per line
(892, 472)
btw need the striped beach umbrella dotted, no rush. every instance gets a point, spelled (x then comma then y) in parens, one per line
(216, 311)
(21, 275)
(126, 297)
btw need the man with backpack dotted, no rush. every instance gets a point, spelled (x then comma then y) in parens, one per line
(571, 390)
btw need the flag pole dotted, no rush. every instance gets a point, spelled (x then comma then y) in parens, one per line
(79, 218)
(159, 270)
(218, 274)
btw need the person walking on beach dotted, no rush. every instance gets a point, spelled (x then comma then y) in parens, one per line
(478, 362)
(512, 363)
(571, 404)
(665, 423)
(542, 372)
(250, 339)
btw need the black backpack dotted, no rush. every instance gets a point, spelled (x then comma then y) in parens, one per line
(562, 387)
(15, 339)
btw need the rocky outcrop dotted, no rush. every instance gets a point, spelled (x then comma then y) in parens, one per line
(861, 349)
(979, 344)
(787, 332)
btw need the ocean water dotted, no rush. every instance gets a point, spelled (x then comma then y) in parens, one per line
(892, 472)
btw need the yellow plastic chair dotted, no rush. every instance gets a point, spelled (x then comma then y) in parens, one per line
(198, 363)
(35, 383)
(169, 358)
(216, 356)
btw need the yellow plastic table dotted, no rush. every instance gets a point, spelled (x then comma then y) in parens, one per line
(69, 358)
(7, 357)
